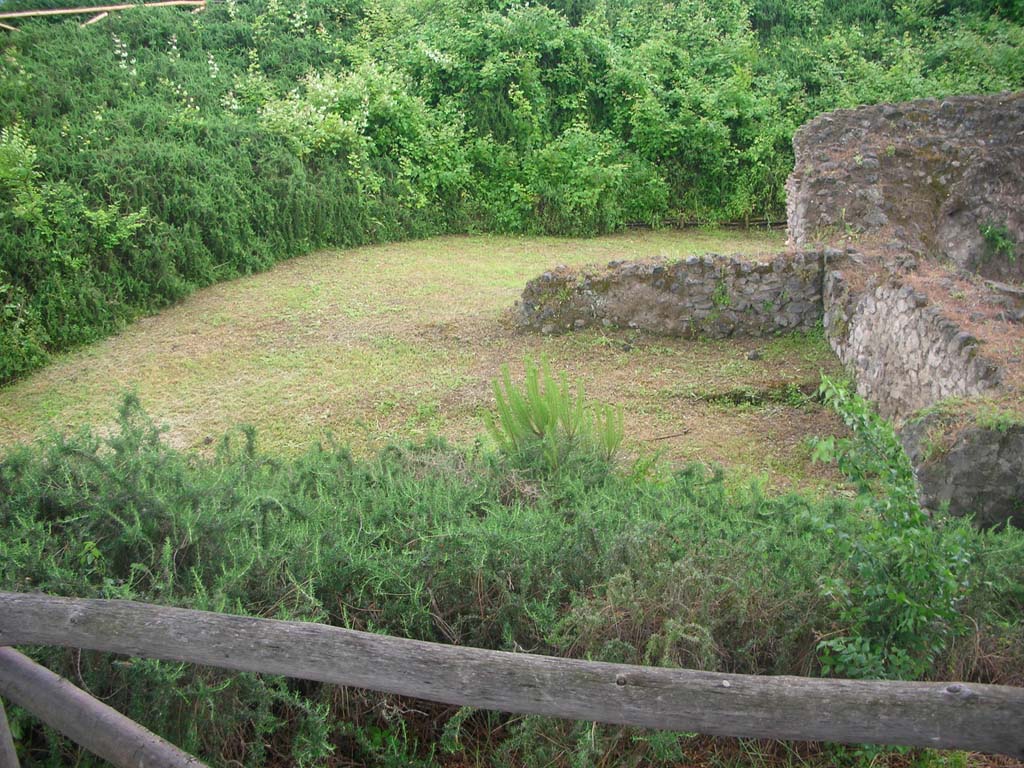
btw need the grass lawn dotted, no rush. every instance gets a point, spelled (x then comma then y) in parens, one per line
(402, 340)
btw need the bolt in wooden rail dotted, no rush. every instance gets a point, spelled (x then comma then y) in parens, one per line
(987, 718)
(76, 714)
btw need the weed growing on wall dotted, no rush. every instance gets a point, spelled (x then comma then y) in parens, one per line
(999, 243)
(720, 298)
(911, 569)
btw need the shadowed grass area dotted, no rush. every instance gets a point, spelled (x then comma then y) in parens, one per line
(403, 340)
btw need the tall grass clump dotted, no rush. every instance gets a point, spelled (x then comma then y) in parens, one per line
(545, 425)
(671, 567)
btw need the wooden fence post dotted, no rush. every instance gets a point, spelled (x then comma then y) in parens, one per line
(80, 717)
(8, 757)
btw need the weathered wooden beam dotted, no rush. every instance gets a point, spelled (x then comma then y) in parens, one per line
(8, 27)
(94, 9)
(8, 756)
(91, 723)
(986, 718)
(97, 17)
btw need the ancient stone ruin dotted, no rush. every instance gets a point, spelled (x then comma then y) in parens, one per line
(923, 178)
(931, 193)
(700, 297)
(906, 224)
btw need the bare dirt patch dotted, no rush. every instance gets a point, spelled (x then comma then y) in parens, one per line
(400, 341)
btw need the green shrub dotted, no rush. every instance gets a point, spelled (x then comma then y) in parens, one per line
(911, 570)
(588, 183)
(434, 543)
(21, 334)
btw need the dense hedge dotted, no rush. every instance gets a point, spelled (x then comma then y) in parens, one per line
(669, 568)
(159, 150)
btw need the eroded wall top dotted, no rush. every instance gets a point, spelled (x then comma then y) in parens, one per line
(935, 178)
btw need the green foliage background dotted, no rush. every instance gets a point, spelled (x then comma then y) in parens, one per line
(159, 150)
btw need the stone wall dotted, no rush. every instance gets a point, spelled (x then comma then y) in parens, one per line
(904, 353)
(906, 183)
(924, 176)
(699, 297)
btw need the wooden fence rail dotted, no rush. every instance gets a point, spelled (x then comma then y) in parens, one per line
(987, 718)
(91, 723)
(97, 9)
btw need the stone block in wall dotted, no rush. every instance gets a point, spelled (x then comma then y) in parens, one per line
(904, 354)
(968, 468)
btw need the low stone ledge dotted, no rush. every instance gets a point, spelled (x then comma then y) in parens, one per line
(967, 467)
(709, 296)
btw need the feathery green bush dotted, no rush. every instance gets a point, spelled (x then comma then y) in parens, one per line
(676, 568)
(544, 425)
